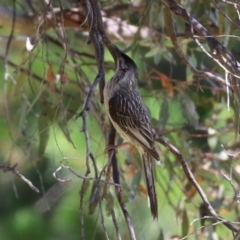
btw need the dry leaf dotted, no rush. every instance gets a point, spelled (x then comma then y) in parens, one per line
(51, 78)
(166, 84)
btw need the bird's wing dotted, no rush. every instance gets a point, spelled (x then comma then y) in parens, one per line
(127, 109)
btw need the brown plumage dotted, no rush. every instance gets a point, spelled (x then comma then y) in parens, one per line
(129, 116)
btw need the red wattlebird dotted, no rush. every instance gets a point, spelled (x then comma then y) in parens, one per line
(129, 116)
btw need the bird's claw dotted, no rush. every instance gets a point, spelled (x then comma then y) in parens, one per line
(110, 147)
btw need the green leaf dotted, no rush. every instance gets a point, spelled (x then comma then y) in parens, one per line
(168, 43)
(164, 114)
(154, 51)
(212, 140)
(189, 74)
(185, 223)
(161, 235)
(67, 108)
(64, 127)
(134, 184)
(109, 204)
(157, 58)
(193, 60)
(72, 100)
(43, 131)
(188, 110)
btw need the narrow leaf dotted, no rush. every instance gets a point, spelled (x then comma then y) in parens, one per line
(212, 140)
(161, 235)
(163, 115)
(166, 83)
(185, 223)
(152, 52)
(51, 77)
(135, 184)
(188, 110)
(109, 204)
(94, 199)
(43, 131)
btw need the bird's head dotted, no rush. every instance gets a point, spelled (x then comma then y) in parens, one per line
(126, 67)
(125, 62)
(122, 61)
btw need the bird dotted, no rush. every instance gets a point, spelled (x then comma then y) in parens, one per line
(129, 116)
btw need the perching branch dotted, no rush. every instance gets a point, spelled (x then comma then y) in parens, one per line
(191, 179)
(116, 179)
(97, 37)
(91, 10)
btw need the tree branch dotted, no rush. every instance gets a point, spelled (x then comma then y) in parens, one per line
(115, 27)
(217, 48)
(198, 73)
(221, 54)
(116, 179)
(191, 179)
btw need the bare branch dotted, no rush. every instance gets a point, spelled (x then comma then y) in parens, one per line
(217, 48)
(79, 176)
(221, 54)
(115, 27)
(17, 173)
(198, 73)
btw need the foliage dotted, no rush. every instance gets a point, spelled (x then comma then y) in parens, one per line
(44, 90)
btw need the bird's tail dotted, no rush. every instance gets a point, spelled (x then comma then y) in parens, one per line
(148, 169)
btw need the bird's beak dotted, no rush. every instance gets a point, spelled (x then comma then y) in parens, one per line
(117, 54)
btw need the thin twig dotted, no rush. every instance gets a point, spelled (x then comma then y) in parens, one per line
(231, 182)
(79, 176)
(17, 173)
(7, 74)
(12, 32)
(102, 219)
(229, 2)
(115, 224)
(82, 191)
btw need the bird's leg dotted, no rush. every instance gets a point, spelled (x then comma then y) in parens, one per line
(115, 147)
